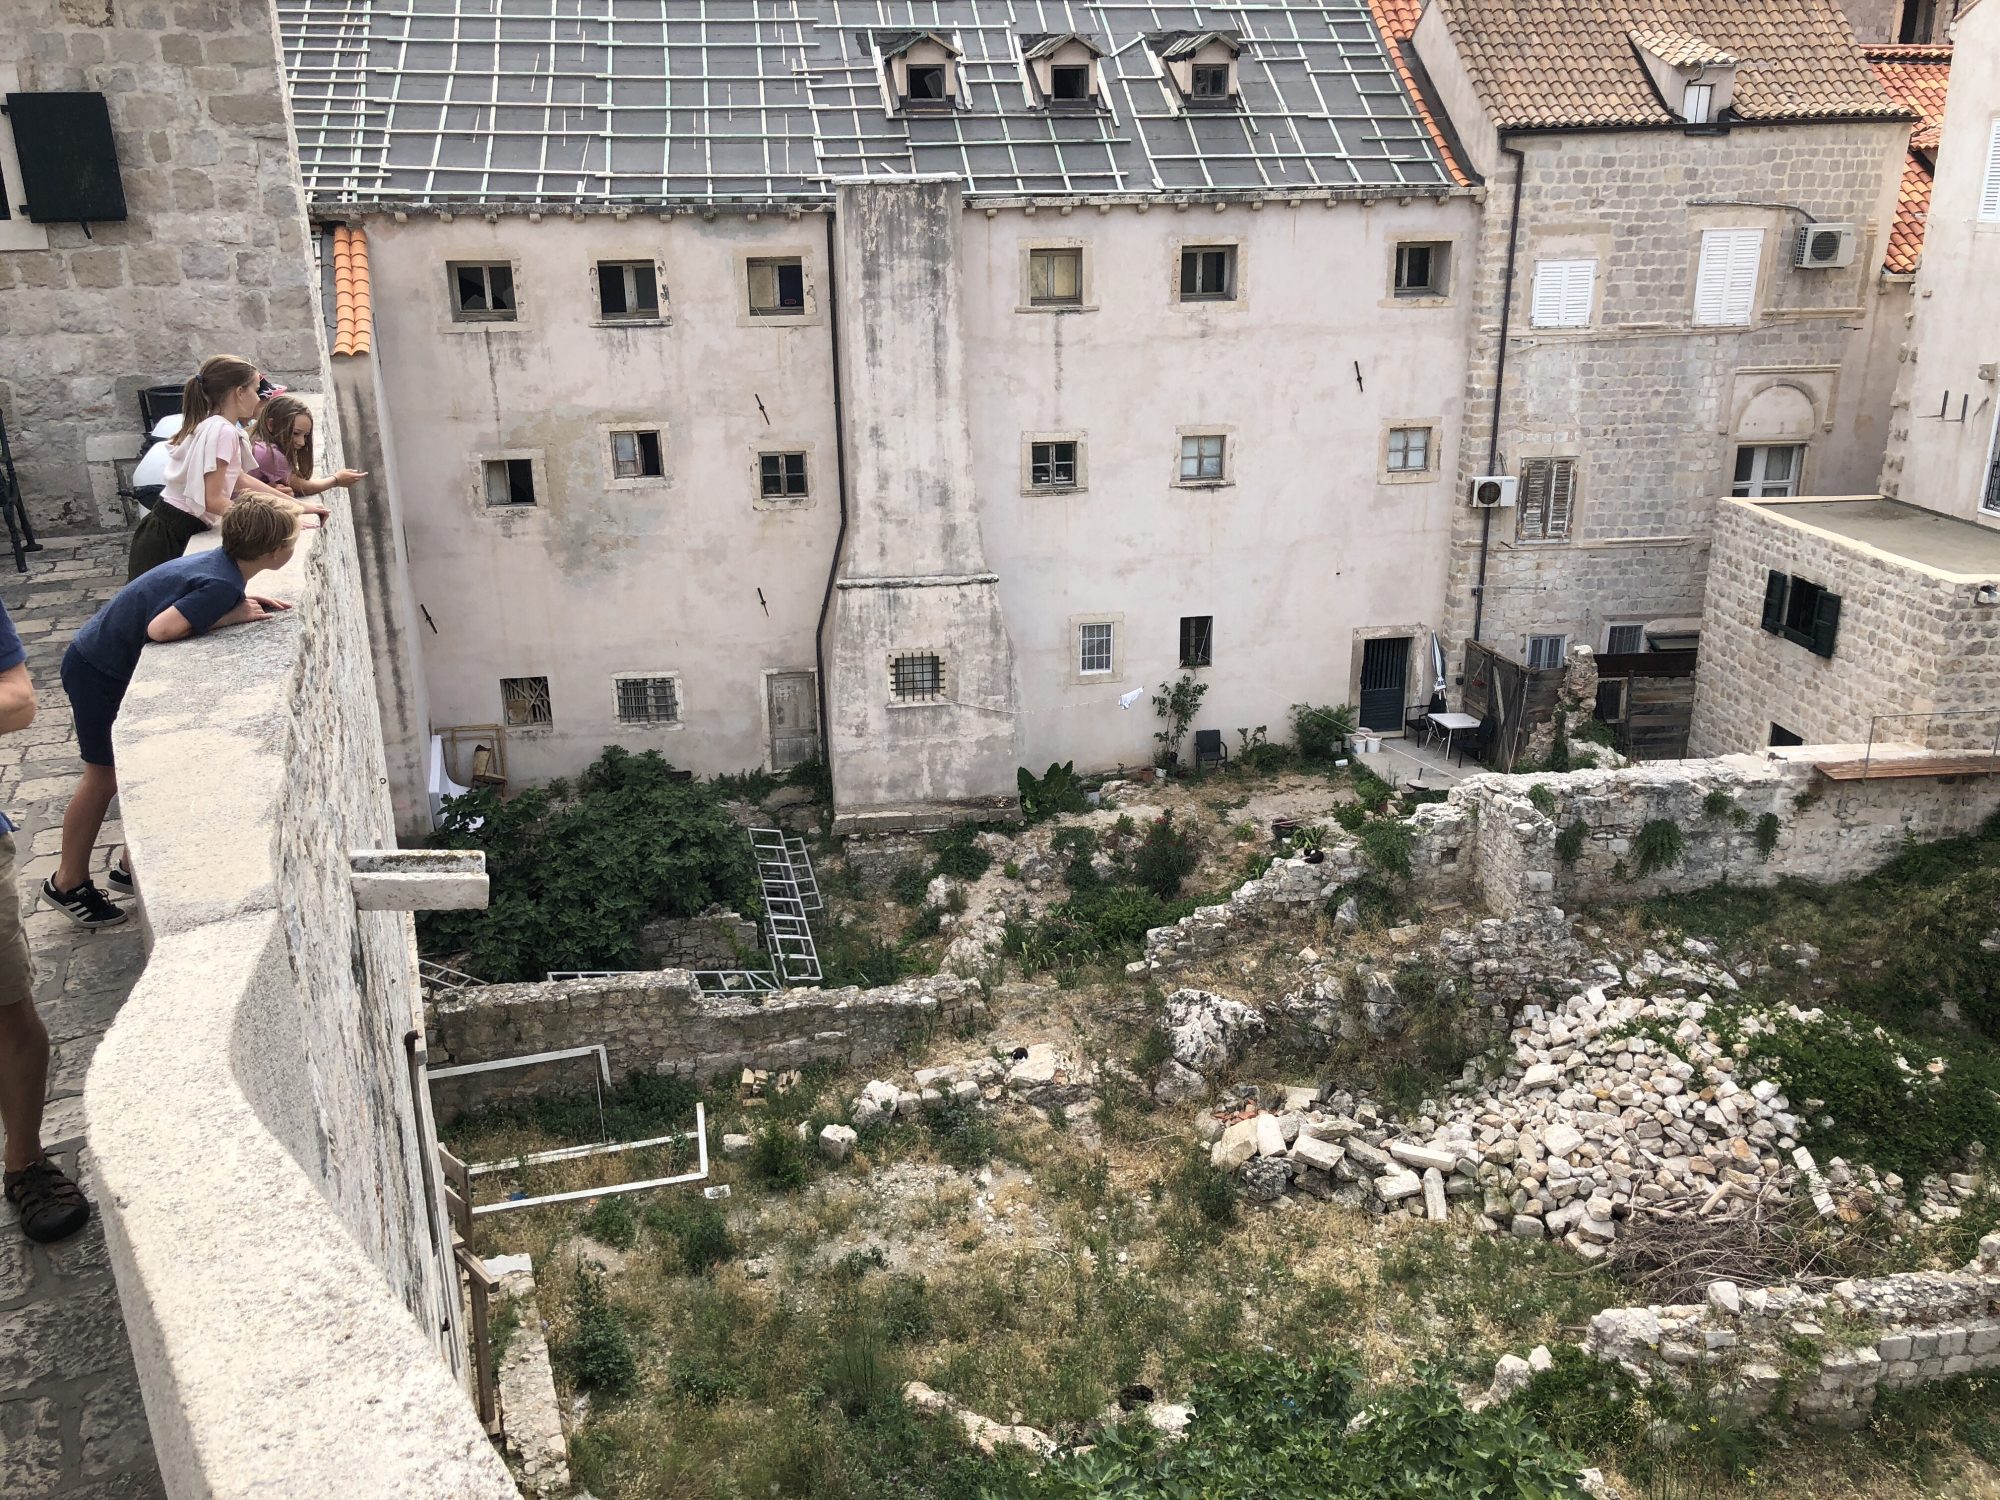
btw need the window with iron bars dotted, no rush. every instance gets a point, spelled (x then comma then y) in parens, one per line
(916, 677)
(649, 700)
(524, 702)
(1197, 640)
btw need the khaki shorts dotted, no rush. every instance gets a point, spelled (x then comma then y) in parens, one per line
(17, 967)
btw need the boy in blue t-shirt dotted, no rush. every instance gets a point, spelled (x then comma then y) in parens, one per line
(189, 596)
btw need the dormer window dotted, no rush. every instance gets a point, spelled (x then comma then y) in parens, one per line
(1698, 103)
(921, 69)
(1695, 78)
(1062, 71)
(1200, 66)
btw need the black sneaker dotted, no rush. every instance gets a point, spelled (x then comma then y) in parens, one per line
(119, 878)
(86, 906)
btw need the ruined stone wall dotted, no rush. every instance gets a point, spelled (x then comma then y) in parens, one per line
(212, 258)
(658, 1023)
(716, 940)
(1912, 641)
(1866, 1335)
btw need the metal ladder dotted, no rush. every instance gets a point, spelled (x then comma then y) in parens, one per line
(787, 931)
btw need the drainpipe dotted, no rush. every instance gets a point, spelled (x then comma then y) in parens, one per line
(840, 471)
(1499, 376)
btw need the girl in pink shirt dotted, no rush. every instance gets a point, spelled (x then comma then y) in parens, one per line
(281, 449)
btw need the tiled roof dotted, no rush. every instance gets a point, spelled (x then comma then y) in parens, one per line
(1915, 76)
(353, 301)
(1398, 20)
(747, 101)
(1572, 62)
(1681, 49)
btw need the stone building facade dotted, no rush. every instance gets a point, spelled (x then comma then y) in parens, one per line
(1944, 441)
(1646, 391)
(212, 257)
(1916, 647)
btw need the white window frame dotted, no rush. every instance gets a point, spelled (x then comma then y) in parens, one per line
(16, 232)
(679, 720)
(1440, 287)
(475, 318)
(1115, 623)
(806, 256)
(1727, 272)
(1989, 187)
(1565, 294)
(1393, 470)
(1561, 651)
(1187, 435)
(1232, 254)
(1096, 648)
(1698, 103)
(538, 469)
(1759, 486)
(612, 431)
(532, 726)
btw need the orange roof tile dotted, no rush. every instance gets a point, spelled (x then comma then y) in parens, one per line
(1554, 63)
(1397, 20)
(1916, 77)
(353, 300)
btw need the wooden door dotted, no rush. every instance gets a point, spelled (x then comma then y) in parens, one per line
(794, 719)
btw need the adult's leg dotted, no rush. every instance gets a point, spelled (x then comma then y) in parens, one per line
(82, 820)
(24, 1041)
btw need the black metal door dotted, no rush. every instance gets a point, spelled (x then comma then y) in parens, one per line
(1385, 677)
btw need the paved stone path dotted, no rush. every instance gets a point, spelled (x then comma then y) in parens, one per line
(71, 1423)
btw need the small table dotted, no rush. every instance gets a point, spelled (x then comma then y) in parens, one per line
(1451, 724)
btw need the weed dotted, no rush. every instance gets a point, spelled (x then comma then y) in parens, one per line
(1767, 835)
(747, 786)
(1244, 833)
(1154, 1048)
(1583, 1402)
(963, 1134)
(778, 1158)
(1166, 858)
(815, 776)
(856, 1264)
(1204, 1192)
(1658, 845)
(926, 923)
(1543, 799)
(1351, 816)
(1057, 791)
(958, 852)
(1319, 732)
(612, 1222)
(848, 955)
(597, 1356)
(908, 884)
(1570, 842)
(859, 1379)
(698, 1232)
(1387, 843)
(1011, 870)
(1373, 791)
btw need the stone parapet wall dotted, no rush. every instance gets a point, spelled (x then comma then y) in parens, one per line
(659, 1023)
(263, 1148)
(1817, 1354)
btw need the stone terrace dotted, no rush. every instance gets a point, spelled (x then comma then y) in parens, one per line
(71, 1423)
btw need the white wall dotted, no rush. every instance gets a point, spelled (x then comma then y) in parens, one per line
(1955, 331)
(1307, 547)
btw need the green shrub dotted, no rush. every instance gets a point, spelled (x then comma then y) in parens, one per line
(1583, 1402)
(1720, 805)
(1350, 816)
(1373, 791)
(1319, 732)
(815, 776)
(908, 884)
(778, 1158)
(860, 1378)
(644, 1105)
(1570, 842)
(612, 1222)
(1176, 703)
(1658, 845)
(693, 1233)
(597, 1356)
(926, 923)
(848, 955)
(958, 855)
(1011, 870)
(578, 869)
(962, 1133)
(1386, 843)
(1767, 835)
(1166, 858)
(1543, 799)
(1377, 902)
(1057, 791)
(1204, 1191)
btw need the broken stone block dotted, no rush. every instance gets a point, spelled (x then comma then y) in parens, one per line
(1270, 1136)
(882, 1095)
(1394, 1187)
(1560, 1139)
(836, 1142)
(1179, 1084)
(865, 1113)
(1434, 1207)
(1238, 1145)
(1265, 1178)
(1310, 1151)
(1526, 1227)
(735, 1145)
(1423, 1157)
(1541, 1076)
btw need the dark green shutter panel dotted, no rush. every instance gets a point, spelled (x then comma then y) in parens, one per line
(1826, 624)
(1774, 603)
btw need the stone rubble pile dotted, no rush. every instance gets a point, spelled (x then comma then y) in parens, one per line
(1605, 1105)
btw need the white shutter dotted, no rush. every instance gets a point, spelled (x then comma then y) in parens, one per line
(1563, 293)
(1725, 287)
(1989, 194)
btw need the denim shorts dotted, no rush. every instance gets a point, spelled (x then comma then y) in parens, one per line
(94, 697)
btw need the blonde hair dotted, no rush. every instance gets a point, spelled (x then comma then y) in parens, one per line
(274, 426)
(256, 526)
(202, 396)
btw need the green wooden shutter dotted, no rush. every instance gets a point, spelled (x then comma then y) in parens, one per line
(1774, 602)
(1826, 623)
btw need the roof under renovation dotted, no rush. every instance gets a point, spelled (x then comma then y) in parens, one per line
(642, 101)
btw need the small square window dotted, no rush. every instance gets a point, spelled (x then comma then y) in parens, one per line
(1211, 82)
(781, 476)
(1093, 649)
(1624, 640)
(524, 702)
(1197, 640)
(777, 287)
(1201, 458)
(1208, 273)
(928, 85)
(1409, 450)
(1781, 736)
(1420, 269)
(1055, 278)
(510, 481)
(1546, 652)
(628, 289)
(649, 700)
(482, 292)
(1052, 466)
(1069, 83)
(916, 678)
(636, 455)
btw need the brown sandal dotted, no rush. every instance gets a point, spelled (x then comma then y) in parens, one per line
(50, 1205)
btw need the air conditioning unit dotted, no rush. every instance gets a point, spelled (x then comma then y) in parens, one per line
(1493, 491)
(1824, 247)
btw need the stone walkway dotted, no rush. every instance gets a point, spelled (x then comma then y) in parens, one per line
(71, 1423)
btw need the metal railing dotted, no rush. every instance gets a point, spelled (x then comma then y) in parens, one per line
(1991, 753)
